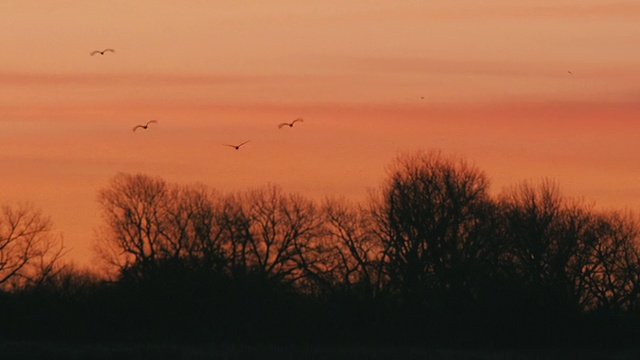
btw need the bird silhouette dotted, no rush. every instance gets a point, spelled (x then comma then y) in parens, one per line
(145, 126)
(290, 124)
(101, 52)
(237, 147)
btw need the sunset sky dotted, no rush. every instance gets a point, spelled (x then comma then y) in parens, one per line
(524, 90)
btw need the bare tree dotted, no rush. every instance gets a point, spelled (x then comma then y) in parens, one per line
(549, 240)
(29, 251)
(194, 228)
(352, 254)
(149, 221)
(612, 272)
(132, 210)
(272, 233)
(433, 216)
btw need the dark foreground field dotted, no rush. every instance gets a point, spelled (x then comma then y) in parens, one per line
(29, 350)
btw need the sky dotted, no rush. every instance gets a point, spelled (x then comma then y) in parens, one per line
(524, 90)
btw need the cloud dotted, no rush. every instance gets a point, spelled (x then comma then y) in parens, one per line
(604, 10)
(426, 65)
(59, 79)
(518, 9)
(444, 66)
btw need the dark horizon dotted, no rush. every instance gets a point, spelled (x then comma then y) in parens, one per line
(433, 260)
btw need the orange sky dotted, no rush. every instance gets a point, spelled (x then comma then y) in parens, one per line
(494, 77)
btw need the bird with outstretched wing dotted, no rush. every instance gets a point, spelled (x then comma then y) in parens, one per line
(237, 147)
(102, 52)
(145, 126)
(290, 124)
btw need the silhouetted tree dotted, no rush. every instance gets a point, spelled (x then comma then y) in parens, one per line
(195, 228)
(131, 209)
(433, 218)
(149, 222)
(352, 255)
(432, 258)
(612, 271)
(549, 240)
(272, 234)
(29, 250)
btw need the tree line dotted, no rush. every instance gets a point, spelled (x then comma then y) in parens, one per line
(431, 258)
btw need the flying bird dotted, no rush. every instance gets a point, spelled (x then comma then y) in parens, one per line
(237, 147)
(569, 72)
(290, 124)
(102, 52)
(145, 126)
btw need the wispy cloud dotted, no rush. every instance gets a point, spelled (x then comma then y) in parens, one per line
(579, 10)
(58, 79)
(513, 9)
(490, 68)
